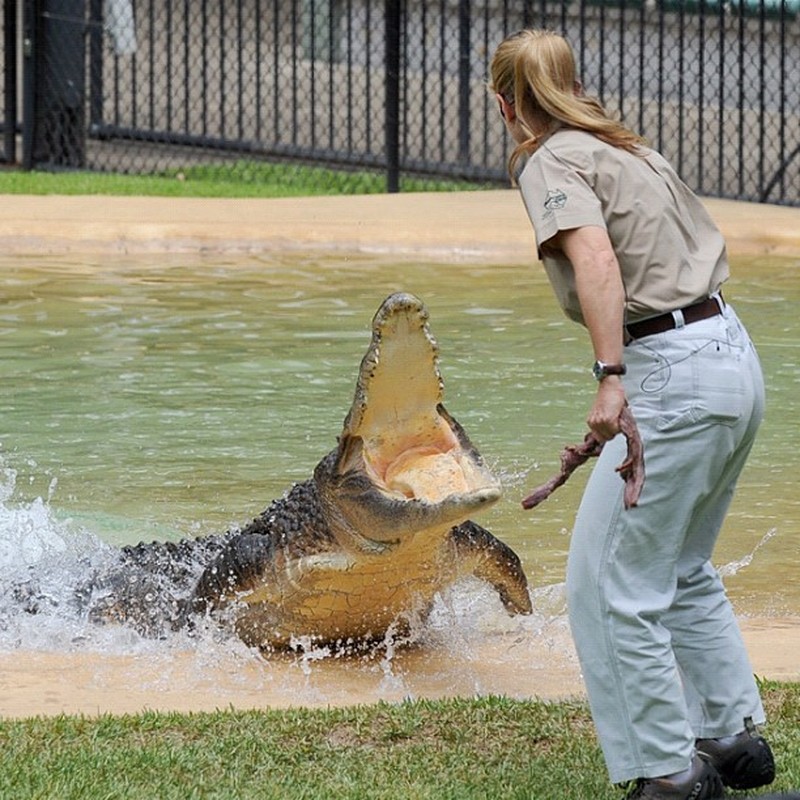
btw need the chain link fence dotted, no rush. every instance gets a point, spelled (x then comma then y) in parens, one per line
(388, 92)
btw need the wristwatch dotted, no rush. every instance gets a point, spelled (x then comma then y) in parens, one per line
(601, 370)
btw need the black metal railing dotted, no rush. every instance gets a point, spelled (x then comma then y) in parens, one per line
(394, 88)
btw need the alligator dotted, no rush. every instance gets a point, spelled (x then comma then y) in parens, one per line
(360, 549)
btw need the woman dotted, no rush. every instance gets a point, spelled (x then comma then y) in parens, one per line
(634, 257)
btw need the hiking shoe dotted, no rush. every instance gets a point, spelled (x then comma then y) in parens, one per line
(744, 761)
(703, 783)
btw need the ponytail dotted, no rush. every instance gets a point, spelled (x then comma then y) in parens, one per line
(535, 70)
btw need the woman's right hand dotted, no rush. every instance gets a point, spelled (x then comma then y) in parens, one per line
(603, 419)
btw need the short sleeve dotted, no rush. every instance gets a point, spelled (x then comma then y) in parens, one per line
(557, 196)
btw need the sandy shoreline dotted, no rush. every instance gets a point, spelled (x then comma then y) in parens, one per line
(446, 228)
(43, 683)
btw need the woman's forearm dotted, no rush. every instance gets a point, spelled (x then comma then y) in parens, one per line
(602, 297)
(600, 289)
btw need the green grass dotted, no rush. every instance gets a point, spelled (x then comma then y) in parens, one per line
(239, 179)
(480, 748)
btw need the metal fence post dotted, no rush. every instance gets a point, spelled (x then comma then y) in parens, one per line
(58, 56)
(392, 94)
(30, 44)
(464, 78)
(95, 64)
(10, 82)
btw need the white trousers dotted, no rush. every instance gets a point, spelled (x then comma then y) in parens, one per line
(660, 649)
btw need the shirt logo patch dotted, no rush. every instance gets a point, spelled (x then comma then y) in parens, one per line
(555, 200)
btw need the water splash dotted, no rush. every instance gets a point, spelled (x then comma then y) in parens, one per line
(45, 559)
(26, 532)
(467, 645)
(42, 558)
(732, 567)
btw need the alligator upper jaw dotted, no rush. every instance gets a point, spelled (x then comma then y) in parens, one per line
(403, 463)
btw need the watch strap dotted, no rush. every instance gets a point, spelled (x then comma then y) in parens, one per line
(602, 370)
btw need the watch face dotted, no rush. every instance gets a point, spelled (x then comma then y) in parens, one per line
(600, 370)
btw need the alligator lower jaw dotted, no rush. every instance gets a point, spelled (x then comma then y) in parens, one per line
(435, 465)
(444, 481)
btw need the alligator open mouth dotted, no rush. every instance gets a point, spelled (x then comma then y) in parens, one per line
(398, 435)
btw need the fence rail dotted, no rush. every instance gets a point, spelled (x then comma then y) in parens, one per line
(396, 87)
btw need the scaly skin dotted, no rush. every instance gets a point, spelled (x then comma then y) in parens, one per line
(364, 545)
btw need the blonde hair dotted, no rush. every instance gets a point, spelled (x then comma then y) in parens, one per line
(534, 70)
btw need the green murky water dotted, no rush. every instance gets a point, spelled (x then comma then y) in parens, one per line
(161, 397)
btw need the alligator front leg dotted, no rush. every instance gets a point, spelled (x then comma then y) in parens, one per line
(243, 565)
(486, 557)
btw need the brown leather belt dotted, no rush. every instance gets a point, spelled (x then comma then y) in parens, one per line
(666, 322)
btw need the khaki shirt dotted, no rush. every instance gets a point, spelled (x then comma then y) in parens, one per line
(670, 252)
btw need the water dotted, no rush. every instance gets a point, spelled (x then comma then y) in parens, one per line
(177, 396)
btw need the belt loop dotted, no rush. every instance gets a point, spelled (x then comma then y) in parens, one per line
(677, 315)
(717, 296)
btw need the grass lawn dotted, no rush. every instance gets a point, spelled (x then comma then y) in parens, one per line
(239, 179)
(472, 748)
